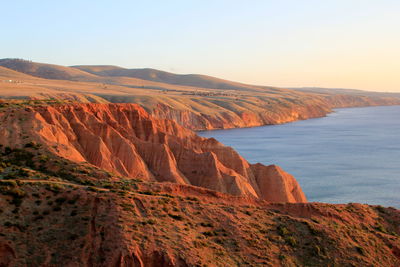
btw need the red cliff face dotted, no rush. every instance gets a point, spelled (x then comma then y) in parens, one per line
(264, 114)
(124, 139)
(261, 111)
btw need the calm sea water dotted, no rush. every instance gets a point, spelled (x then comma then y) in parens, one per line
(352, 155)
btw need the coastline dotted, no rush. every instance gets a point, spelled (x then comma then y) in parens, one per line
(288, 122)
(350, 156)
(199, 122)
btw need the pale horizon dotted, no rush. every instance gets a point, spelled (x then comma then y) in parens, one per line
(340, 44)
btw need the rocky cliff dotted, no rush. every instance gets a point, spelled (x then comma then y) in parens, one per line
(125, 140)
(251, 112)
(58, 208)
(239, 118)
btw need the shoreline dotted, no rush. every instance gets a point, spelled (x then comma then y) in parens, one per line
(320, 117)
(338, 160)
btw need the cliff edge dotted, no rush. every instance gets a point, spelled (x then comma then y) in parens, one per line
(124, 139)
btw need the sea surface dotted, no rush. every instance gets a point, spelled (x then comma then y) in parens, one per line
(352, 155)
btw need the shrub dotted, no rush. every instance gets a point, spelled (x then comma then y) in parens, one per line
(94, 189)
(175, 216)
(206, 224)
(151, 221)
(43, 158)
(57, 208)
(39, 217)
(168, 195)
(55, 188)
(7, 150)
(210, 233)
(73, 237)
(60, 200)
(219, 241)
(291, 241)
(380, 209)
(32, 144)
(8, 224)
(9, 183)
(73, 200)
(283, 231)
(150, 193)
(23, 173)
(360, 250)
(247, 212)
(380, 228)
(192, 199)
(16, 192)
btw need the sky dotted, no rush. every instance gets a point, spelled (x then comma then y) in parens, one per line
(287, 43)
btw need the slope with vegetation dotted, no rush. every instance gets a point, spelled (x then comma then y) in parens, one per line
(55, 212)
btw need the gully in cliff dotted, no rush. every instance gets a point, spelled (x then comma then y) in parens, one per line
(126, 140)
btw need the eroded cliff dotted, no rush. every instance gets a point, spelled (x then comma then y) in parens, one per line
(126, 140)
(249, 111)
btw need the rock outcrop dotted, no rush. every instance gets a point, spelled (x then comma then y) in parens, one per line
(126, 140)
(242, 113)
(263, 114)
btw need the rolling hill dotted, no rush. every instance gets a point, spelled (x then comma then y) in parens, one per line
(194, 80)
(46, 71)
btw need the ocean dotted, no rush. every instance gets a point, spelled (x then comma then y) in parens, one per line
(352, 155)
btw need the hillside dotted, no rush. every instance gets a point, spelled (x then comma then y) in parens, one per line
(6, 73)
(47, 71)
(59, 207)
(193, 80)
(341, 91)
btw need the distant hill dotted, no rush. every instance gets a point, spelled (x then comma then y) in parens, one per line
(344, 91)
(110, 74)
(195, 80)
(47, 71)
(113, 74)
(100, 70)
(12, 74)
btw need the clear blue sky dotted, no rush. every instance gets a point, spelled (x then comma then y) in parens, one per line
(330, 43)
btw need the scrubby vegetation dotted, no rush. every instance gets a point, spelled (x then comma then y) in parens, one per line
(33, 162)
(15, 103)
(62, 208)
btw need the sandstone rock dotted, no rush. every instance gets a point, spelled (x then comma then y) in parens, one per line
(126, 140)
